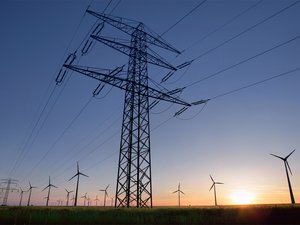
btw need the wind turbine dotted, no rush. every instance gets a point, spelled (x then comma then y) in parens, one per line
(112, 201)
(105, 194)
(77, 174)
(68, 195)
(49, 188)
(73, 199)
(214, 186)
(286, 165)
(179, 192)
(84, 197)
(21, 196)
(96, 200)
(30, 191)
(89, 200)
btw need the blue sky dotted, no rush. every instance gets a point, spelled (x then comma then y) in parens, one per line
(230, 139)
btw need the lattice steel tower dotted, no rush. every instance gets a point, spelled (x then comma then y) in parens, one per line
(134, 182)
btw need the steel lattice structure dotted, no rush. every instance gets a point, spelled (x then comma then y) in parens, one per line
(134, 182)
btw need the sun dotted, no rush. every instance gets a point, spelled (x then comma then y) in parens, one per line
(241, 197)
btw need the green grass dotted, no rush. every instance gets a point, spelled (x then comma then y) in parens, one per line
(255, 214)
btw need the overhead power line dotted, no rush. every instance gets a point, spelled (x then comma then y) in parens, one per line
(231, 20)
(182, 18)
(256, 83)
(244, 61)
(248, 29)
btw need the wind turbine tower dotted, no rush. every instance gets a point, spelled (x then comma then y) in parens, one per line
(134, 179)
(21, 196)
(214, 186)
(68, 196)
(105, 194)
(77, 185)
(287, 167)
(30, 191)
(49, 189)
(96, 200)
(178, 191)
(84, 198)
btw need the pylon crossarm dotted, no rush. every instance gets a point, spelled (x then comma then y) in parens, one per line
(125, 49)
(122, 83)
(119, 23)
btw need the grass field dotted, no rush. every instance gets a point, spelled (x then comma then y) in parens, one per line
(254, 214)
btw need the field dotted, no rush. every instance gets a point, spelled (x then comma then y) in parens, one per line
(254, 214)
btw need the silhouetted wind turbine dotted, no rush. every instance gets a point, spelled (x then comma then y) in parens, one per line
(84, 197)
(96, 200)
(112, 201)
(30, 191)
(49, 188)
(105, 194)
(179, 192)
(286, 165)
(73, 199)
(214, 186)
(77, 174)
(68, 195)
(21, 196)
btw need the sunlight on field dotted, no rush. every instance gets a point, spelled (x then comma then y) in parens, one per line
(242, 197)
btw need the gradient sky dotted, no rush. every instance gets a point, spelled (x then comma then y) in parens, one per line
(230, 139)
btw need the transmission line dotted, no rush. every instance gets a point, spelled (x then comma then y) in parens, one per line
(244, 61)
(256, 83)
(182, 18)
(231, 20)
(248, 29)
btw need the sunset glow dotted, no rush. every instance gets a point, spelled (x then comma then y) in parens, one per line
(242, 197)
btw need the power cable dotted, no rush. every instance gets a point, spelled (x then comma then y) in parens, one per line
(244, 61)
(256, 83)
(182, 18)
(23, 151)
(248, 29)
(59, 137)
(231, 20)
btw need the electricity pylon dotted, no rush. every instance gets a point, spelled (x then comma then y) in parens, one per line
(49, 188)
(9, 182)
(134, 179)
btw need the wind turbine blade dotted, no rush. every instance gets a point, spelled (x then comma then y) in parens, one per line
(83, 174)
(45, 188)
(212, 186)
(287, 163)
(182, 192)
(101, 190)
(53, 186)
(211, 178)
(106, 187)
(66, 190)
(73, 177)
(277, 156)
(77, 167)
(289, 154)
(174, 192)
(219, 183)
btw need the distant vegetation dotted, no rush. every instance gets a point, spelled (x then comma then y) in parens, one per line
(255, 214)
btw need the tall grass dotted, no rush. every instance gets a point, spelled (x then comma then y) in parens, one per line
(275, 214)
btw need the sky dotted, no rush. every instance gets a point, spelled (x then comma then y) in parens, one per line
(45, 129)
